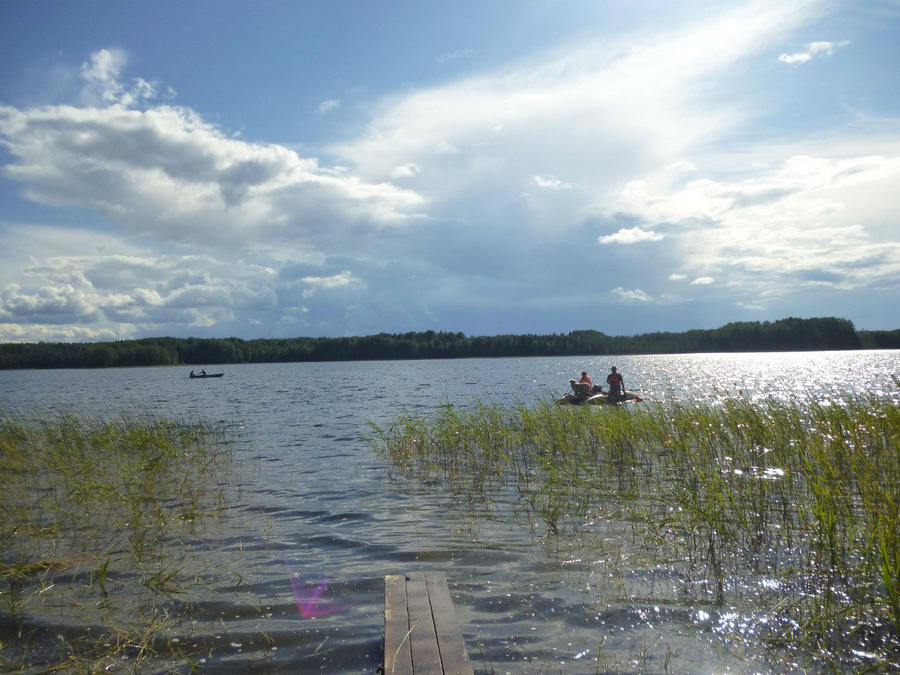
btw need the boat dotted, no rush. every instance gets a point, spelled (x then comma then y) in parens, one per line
(600, 398)
(204, 375)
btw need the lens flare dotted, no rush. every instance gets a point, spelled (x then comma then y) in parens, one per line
(308, 599)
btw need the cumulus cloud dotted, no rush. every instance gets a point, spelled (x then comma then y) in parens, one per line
(164, 172)
(630, 235)
(677, 277)
(77, 278)
(344, 279)
(788, 219)
(11, 332)
(703, 281)
(125, 290)
(630, 297)
(67, 302)
(811, 51)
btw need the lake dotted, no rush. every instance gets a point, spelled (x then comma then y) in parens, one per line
(313, 507)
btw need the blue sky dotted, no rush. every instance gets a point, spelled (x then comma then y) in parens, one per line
(285, 169)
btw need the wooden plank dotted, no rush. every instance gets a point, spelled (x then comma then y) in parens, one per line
(397, 654)
(421, 634)
(423, 640)
(454, 658)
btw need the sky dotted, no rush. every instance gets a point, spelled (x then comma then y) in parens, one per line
(218, 168)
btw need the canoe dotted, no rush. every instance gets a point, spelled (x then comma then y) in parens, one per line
(200, 377)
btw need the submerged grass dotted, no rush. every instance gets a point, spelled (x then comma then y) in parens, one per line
(803, 495)
(89, 510)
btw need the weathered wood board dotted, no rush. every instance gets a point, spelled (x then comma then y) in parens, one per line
(421, 635)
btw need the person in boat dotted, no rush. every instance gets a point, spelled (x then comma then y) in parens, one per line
(583, 387)
(203, 373)
(192, 374)
(616, 384)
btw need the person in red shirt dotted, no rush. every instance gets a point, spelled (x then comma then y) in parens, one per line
(583, 387)
(616, 384)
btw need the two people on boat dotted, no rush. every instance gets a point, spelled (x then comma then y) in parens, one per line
(585, 387)
(202, 374)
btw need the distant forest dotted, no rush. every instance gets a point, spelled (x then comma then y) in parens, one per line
(784, 335)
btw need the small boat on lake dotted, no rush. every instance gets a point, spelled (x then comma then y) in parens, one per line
(599, 398)
(194, 375)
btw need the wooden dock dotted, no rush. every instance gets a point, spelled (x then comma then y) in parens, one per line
(421, 635)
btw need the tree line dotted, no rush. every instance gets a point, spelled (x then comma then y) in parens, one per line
(784, 335)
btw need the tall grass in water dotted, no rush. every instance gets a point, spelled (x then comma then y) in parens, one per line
(804, 495)
(88, 510)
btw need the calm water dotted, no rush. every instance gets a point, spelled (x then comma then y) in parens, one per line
(314, 504)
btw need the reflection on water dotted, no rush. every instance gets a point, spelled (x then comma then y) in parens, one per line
(292, 575)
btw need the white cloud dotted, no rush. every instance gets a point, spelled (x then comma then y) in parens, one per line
(630, 297)
(703, 281)
(72, 301)
(782, 227)
(342, 280)
(602, 110)
(630, 235)
(101, 75)
(407, 170)
(677, 277)
(328, 105)
(550, 183)
(162, 171)
(31, 332)
(166, 173)
(122, 290)
(811, 51)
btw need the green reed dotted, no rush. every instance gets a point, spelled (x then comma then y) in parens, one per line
(91, 512)
(807, 493)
